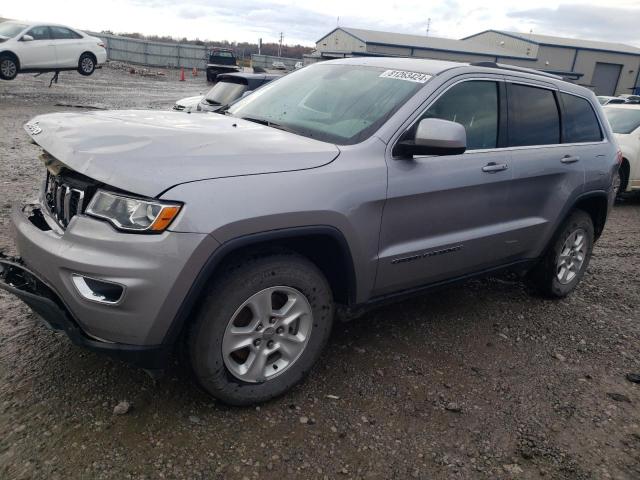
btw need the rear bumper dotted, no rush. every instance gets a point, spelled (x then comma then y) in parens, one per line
(101, 56)
(15, 278)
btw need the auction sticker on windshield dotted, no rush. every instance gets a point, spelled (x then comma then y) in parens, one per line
(404, 75)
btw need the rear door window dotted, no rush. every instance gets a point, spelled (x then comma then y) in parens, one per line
(534, 118)
(61, 33)
(579, 120)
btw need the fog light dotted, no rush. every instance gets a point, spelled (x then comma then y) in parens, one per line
(99, 291)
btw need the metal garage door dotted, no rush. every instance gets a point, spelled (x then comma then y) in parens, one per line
(605, 78)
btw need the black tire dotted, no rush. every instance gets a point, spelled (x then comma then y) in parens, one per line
(86, 64)
(226, 295)
(9, 67)
(620, 180)
(544, 276)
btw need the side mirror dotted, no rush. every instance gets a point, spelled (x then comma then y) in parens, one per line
(434, 137)
(27, 38)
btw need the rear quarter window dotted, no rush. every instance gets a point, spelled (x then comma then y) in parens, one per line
(579, 120)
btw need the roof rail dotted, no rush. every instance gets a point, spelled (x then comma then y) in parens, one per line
(515, 69)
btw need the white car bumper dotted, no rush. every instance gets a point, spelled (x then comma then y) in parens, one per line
(101, 56)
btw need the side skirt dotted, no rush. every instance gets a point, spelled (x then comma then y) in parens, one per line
(351, 312)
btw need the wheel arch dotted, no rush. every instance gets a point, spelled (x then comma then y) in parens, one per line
(13, 55)
(595, 204)
(88, 52)
(323, 245)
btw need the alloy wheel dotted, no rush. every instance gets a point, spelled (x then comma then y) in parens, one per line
(8, 68)
(572, 256)
(86, 64)
(267, 334)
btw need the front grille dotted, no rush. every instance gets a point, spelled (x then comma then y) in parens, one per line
(178, 107)
(66, 196)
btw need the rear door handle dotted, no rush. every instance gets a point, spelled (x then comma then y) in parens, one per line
(493, 167)
(569, 159)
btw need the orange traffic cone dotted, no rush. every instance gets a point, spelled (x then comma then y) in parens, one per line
(195, 72)
(182, 74)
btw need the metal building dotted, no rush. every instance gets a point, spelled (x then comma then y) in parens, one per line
(607, 68)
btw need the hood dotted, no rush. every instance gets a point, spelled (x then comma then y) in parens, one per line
(190, 102)
(147, 152)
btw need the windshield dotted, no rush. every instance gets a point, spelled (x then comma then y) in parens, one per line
(337, 103)
(223, 93)
(623, 120)
(9, 30)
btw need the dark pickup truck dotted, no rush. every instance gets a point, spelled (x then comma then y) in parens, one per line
(221, 61)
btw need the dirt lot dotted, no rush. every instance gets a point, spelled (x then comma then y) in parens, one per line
(540, 386)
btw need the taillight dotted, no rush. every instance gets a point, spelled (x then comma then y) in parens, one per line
(619, 156)
(101, 45)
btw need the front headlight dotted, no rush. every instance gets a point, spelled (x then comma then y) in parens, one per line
(133, 214)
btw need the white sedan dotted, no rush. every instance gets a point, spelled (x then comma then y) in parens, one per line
(625, 123)
(36, 47)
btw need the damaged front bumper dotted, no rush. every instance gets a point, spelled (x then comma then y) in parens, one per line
(17, 279)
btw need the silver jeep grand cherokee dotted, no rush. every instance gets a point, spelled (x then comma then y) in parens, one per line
(336, 187)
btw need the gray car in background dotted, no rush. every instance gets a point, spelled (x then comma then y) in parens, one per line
(341, 186)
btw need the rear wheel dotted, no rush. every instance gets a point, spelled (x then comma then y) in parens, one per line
(8, 67)
(86, 64)
(566, 261)
(261, 328)
(621, 178)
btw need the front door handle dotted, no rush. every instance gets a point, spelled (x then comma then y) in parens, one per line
(493, 167)
(569, 159)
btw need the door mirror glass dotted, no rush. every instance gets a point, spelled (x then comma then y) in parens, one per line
(27, 38)
(434, 136)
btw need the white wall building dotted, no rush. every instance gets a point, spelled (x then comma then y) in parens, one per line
(607, 68)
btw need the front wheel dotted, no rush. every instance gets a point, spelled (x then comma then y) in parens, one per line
(565, 262)
(8, 67)
(86, 64)
(261, 328)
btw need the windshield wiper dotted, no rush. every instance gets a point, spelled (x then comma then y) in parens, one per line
(263, 121)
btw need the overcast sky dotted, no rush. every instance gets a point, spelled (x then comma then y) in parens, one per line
(304, 21)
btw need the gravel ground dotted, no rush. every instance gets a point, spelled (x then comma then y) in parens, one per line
(481, 380)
